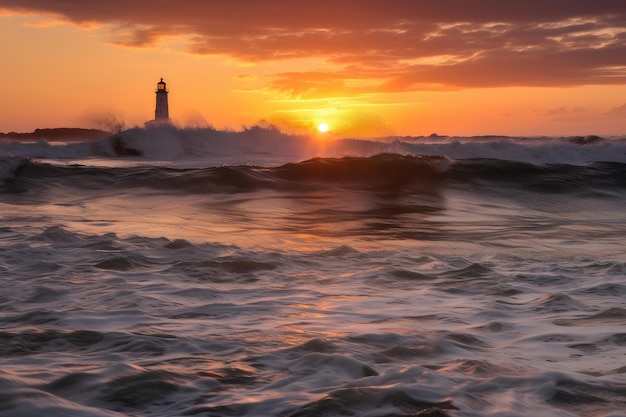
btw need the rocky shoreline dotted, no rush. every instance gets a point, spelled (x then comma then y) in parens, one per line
(61, 134)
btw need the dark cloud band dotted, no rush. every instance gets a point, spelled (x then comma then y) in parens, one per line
(391, 45)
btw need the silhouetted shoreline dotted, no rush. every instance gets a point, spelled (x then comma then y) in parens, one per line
(61, 134)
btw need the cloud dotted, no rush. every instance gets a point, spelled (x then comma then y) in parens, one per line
(379, 46)
(564, 111)
(618, 111)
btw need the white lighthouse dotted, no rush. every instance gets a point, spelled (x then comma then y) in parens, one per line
(161, 112)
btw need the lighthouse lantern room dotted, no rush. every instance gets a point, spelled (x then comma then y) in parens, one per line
(161, 112)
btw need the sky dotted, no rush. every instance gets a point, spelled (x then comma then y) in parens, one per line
(363, 67)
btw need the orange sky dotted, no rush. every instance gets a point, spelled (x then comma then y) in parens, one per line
(365, 67)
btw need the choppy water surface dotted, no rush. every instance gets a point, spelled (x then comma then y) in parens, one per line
(375, 285)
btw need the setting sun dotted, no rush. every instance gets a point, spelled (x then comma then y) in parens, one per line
(322, 127)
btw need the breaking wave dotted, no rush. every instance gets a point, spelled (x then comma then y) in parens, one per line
(269, 145)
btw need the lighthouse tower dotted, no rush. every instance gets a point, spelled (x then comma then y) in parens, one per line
(161, 112)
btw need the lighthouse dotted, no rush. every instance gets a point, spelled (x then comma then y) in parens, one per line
(161, 112)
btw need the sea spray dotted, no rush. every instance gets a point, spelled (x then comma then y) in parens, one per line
(251, 145)
(9, 165)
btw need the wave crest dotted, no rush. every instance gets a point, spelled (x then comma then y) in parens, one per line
(261, 144)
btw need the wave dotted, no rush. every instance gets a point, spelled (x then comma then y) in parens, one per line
(551, 178)
(380, 172)
(9, 165)
(267, 144)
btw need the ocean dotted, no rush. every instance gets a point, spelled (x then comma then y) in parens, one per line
(197, 272)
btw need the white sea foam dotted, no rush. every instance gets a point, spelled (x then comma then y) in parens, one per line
(8, 165)
(537, 150)
(213, 146)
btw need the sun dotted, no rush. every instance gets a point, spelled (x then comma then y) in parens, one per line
(322, 127)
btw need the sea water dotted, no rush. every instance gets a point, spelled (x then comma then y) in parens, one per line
(194, 272)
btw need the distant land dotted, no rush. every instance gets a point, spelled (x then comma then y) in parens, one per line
(59, 134)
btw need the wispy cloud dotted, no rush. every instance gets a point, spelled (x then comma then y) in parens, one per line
(618, 111)
(565, 111)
